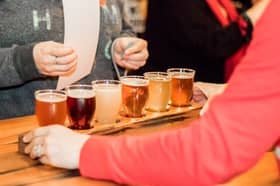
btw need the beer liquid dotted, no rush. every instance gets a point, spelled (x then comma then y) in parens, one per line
(108, 102)
(181, 90)
(81, 107)
(134, 96)
(50, 108)
(159, 94)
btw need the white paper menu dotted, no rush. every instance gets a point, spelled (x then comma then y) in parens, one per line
(81, 31)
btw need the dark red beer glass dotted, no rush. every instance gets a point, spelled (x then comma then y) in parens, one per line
(80, 105)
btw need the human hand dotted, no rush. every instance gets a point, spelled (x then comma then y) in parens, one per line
(130, 53)
(54, 59)
(199, 96)
(256, 11)
(55, 145)
(210, 90)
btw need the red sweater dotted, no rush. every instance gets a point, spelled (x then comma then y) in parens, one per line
(239, 127)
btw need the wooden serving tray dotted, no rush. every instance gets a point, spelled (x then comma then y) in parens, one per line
(150, 118)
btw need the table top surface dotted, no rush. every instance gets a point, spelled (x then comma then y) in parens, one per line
(18, 169)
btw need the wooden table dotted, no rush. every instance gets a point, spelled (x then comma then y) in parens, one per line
(17, 169)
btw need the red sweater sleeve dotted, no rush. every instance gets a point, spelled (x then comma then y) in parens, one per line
(238, 128)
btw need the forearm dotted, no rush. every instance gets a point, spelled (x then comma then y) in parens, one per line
(222, 144)
(17, 65)
(204, 154)
(240, 126)
(257, 10)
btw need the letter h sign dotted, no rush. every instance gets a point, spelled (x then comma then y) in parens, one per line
(37, 19)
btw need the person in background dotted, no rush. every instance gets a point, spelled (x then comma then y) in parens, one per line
(209, 36)
(241, 124)
(32, 55)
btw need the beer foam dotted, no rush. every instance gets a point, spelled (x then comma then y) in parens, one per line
(165, 79)
(135, 82)
(50, 97)
(110, 88)
(81, 93)
(107, 86)
(182, 76)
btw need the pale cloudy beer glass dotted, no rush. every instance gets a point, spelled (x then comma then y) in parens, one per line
(135, 95)
(50, 106)
(159, 91)
(181, 86)
(108, 100)
(80, 105)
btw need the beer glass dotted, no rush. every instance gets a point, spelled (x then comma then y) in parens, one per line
(181, 86)
(108, 100)
(159, 91)
(135, 94)
(50, 106)
(80, 105)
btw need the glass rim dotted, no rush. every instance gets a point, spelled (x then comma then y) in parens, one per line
(49, 91)
(157, 76)
(106, 81)
(79, 86)
(156, 73)
(132, 76)
(180, 70)
(141, 80)
(52, 92)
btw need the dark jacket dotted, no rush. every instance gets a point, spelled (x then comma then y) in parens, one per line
(186, 33)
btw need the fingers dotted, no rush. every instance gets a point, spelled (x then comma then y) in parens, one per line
(36, 140)
(140, 56)
(198, 96)
(36, 148)
(60, 69)
(56, 49)
(54, 59)
(45, 160)
(59, 66)
(55, 145)
(64, 60)
(130, 53)
(136, 47)
(133, 65)
(42, 131)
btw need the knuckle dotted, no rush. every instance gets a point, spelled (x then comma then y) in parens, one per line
(47, 69)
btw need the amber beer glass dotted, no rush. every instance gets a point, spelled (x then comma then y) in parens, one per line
(135, 94)
(159, 91)
(181, 86)
(80, 105)
(50, 106)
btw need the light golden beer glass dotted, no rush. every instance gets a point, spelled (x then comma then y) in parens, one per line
(159, 91)
(135, 95)
(50, 106)
(181, 86)
(108, 100)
